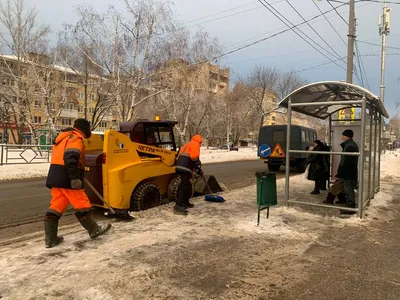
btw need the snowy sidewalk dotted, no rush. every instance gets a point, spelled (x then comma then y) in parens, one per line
(216, 252)
(27, 171)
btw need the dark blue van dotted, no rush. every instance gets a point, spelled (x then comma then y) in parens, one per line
(300, 139)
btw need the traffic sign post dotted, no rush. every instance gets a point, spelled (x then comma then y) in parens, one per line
(278, 151)
(264, 150)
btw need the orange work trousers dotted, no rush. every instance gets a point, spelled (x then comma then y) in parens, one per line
(62, 197)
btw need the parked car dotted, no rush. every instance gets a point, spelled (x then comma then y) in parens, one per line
(225, 147)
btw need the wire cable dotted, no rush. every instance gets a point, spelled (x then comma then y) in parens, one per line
(378, 45)
(362, 65)
(335, 8)
(293, 27)
(331, 24)
(312, 28)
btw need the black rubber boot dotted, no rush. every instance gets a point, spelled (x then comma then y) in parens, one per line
(188, 205)
(50, 230)
(91, 225)
(330, 198)
(180, 210)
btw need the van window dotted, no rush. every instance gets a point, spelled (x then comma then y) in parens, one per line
(308, 137)
(303, 136)
(278, 136)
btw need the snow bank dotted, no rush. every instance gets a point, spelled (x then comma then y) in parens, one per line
(34, 170)
(160, 255)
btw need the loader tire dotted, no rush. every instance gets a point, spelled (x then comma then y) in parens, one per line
(146, 195)
(173, 188)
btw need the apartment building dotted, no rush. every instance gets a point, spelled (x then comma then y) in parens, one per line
(30, 86)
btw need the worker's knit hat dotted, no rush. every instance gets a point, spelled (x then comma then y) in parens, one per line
(84, 126)
(348, 132)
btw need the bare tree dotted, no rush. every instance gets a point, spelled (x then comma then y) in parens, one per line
(122, 43)
(20, 35)
(261, 84)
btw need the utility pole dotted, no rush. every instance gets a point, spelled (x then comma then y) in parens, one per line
(384, 30)
(350, 43)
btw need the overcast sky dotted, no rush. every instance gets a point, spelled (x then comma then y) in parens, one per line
(245, 21)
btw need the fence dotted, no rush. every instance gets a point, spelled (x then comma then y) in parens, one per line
(24, 154)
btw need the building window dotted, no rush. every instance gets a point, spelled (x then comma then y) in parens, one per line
(53, 106)
(71, 78)
(70, 106)
(91, 97)
(91, 110)
(8, 81)
(38, 103)
(81, 95)
(66, 122)
(103, 124)
(37, 119)
(80, 108)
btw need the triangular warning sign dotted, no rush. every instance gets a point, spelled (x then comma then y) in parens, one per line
(278, 151)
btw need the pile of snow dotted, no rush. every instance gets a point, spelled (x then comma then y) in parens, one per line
(217, 251)
(38, 170)
(215, 156)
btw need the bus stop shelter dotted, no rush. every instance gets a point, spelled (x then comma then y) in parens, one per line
(323, 100)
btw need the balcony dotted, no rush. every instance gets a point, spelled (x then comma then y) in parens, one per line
(69, 113)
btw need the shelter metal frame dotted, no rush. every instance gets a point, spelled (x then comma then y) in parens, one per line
(329, 98)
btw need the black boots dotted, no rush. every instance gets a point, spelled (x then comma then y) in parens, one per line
(87, 221)
(181, 210)
(50, 230)
(188, 204)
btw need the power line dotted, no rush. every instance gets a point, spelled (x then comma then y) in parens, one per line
(221, 12)
(266, 57)
(245, 46)
(312, 28)
(378, 45)
(379, 1)
(313, 22)
(335, 8)
(224, 17)
(330, 24)
(328, 63)
(362, 65)
(292, 28)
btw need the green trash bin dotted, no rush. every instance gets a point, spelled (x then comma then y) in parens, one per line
(266, 191)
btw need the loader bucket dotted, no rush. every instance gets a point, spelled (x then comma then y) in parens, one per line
(200, 187)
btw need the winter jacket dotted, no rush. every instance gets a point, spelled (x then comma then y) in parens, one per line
(348, 167)
(317, 164)
(189, 155)
(327, 162)
(68, 159)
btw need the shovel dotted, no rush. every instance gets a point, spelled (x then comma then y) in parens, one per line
(98, 195)
(211, 197)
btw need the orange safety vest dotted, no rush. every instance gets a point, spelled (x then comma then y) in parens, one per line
(189, 155)
(68, 159)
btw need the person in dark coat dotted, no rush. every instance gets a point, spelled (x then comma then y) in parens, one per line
(348, 168)
(326, 174)
(317, 166)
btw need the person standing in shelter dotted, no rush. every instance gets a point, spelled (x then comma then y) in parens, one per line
(317, 166)
(65, 179)
(326, 175)
(187, 163)
(348, 168)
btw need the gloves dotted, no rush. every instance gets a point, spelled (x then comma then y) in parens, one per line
(199, 171)
(76, 184)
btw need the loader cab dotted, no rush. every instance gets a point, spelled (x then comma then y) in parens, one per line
(154, 133)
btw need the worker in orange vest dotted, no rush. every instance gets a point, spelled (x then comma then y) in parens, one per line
(65, 179)
(187, 163)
